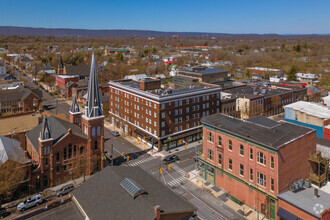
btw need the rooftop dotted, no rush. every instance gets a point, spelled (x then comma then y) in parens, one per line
(264, 69)
(250, 91)
(259, 130)
(202, 70)
(311, 108)
(18, 94)
(10, 150)
(161, 92)
(104, 197)
(58, 127)
(306, 201)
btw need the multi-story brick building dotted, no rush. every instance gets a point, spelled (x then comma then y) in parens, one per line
(256, 159)
(61, 150)
(163, 117)
(19, 100)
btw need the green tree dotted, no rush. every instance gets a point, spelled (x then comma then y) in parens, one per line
(292, 74)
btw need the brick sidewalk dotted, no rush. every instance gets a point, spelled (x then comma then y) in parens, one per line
(221, 195)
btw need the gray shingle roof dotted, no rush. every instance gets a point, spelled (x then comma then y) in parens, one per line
(82, 70)
(18, 94)
(58, 128)
(10, 150)
(102, 197)
(259, 130)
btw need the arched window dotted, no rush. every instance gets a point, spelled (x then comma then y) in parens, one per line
(95, 145)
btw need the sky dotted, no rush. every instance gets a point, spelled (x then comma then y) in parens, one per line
(217, 16)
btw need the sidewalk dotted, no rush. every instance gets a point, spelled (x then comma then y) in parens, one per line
(221, 195)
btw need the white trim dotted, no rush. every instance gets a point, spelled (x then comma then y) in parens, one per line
(80, 208)
(74, 113)
(92, 118)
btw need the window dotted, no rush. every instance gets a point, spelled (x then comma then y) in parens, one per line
(272, 185)
(210, 137)
(95, 145)
(219, 141)
(176, 121)
(261, 158)
(210, 154)
(57, 157)
(241, 169)
(65, 153)
(58, 169)
(180, 103)
(93, 131)
(187, 101)
(163, 114)
(176, 112)
(176, 104)
(220, 159)
(180, 111)
(261, 179)
(163, 106)
(155, 115)
(74, 150)
(187, 109)
(241, 150)
(155, 106)
(251, 154)
(163, 124)
(272, 163)
(98, 130)
(187, 118)
(46, 162)
(230, 164)
(70, 151)
(251, 174)
(81, 150)
(230, 145)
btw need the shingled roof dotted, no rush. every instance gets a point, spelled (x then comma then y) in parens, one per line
(59, 128)
(20, 93)
(82, 70)
(259, 130)
(10, 150)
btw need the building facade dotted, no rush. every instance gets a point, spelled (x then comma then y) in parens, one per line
(254, 160)
(162, 117)
(61, 150)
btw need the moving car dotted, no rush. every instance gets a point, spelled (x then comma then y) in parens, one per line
(65, 190)
(170, 159)
(115, 133)
(30, 202)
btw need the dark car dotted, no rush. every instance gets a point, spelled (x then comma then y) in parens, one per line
(115, 133)
(170, 159)
(3, 212)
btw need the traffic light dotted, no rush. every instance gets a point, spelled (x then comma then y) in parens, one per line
(122, 154)
(185, 144)
(127, 158)
(169, 167)
(179, 141)
(160, 170)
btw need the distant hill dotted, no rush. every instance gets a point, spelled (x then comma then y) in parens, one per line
(28, 31)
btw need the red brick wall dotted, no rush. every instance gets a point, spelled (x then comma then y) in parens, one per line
(293, 160)
(294, 210)
(27, 105)
(326, 132)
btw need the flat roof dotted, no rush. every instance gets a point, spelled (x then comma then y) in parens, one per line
(250, 91)
(102, 196)
(264, 69)
(202, 70)
(306, 201)
(311, 108)
(134, 86)
(259, 130)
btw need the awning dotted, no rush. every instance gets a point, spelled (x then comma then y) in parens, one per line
(285, 215)
(147, 136)
(183, 135)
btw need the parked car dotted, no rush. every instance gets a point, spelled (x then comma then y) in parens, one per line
(170, 159)
(115, 133)
(65, 190)
(30, 202)
(3, 212)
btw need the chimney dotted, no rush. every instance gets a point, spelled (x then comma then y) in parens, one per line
(316, 193)
(157, 212)
(149, 84)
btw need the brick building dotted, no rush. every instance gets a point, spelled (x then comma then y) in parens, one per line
(163, 117)
(256, 159)
(63, 80)
(61, 150)
(19, 100)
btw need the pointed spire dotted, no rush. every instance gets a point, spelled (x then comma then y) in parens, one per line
(61, 62)
(74, 106)
(93, 108)
(45, 132)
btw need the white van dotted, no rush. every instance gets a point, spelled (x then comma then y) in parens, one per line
(65, 190)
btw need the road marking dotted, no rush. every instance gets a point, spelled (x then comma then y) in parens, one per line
(177, 181)
(223, 217)
(141, 161)
(177, 168)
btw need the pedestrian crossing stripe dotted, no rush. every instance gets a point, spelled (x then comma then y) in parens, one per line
(177, 168)
(177, 181)
(136, 163)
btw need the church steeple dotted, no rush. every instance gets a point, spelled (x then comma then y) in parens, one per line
(75, 114)
(93, 108)
(45, 132)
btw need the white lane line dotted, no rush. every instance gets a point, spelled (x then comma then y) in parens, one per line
(223, 217)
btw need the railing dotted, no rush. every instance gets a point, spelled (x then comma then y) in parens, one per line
(315, 178)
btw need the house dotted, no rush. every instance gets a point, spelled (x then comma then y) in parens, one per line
(10, 84)
(308, 78)
(19, 100)
(264, 73)
(129, 193)
(255, 160)
(313, 94)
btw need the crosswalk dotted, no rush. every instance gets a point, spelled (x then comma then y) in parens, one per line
(176, 181)
(178, 169)
(139, 162)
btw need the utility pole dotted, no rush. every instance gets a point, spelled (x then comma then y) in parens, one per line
(56, 105)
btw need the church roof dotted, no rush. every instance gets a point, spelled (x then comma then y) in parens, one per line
(74, 106)
(10, 150)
